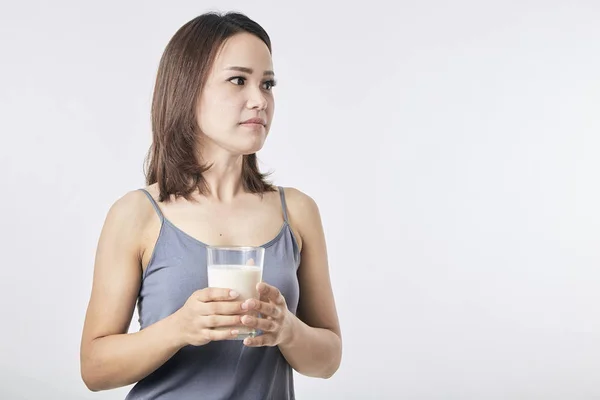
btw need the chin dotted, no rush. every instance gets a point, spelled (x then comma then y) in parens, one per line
(245, 148)
(251, 150)
(250, 145)
(242, 142)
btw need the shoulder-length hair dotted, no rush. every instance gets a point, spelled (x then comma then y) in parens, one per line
(184, 66)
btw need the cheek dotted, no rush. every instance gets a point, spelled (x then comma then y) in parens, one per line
(219, 114)
(228, 109)
(271, 109)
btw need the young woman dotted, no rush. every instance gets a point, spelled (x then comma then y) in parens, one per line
(211, 112)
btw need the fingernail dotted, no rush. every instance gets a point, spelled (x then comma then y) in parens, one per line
(244, 306)
(247, 341)
(251, 304)
(235, 332)
(233, 293)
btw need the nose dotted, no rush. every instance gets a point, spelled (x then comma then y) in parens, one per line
(257, 100)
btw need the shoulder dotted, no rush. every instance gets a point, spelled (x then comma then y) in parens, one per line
(129, 215)
(132, 206)
(299, 201)
(303, 211)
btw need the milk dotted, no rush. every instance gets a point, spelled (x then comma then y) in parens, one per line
(241, 278)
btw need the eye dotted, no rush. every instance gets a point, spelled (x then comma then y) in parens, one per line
(270, 84)
(238, 78)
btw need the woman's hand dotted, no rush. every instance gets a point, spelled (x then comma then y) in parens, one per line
(276, 322)
(209, 314)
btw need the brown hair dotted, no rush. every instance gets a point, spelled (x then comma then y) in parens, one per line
(186, 61)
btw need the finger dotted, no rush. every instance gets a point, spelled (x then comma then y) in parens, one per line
(250, 262)
(214, 321)
(264, 307)
(223, 308)
(215, 335)
(216, 294)
(265, 325)
(270, 292)
(260, 341)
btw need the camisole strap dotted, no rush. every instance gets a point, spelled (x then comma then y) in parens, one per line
(154, 204)
(283, 204)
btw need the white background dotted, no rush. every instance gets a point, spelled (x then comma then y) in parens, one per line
(452, 147)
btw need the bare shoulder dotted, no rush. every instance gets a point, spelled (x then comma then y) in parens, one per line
(299, 200)
(303, 212)
(128, 217)
(132, 209)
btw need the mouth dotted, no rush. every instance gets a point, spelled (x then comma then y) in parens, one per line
(255, 121)
(252, 125)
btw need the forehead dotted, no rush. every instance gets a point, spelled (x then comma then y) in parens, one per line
(244, 50)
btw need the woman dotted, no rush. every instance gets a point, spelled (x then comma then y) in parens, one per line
(212, 109)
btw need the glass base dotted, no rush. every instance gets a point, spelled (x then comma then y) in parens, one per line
(244, 335)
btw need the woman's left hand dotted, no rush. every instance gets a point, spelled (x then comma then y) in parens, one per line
(276, 321)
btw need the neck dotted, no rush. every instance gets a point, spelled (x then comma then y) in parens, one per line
(224, 177)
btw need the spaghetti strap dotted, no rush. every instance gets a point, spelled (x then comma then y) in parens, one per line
(283, 204)
(154, 204)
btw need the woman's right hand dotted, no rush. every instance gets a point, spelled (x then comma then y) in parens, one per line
(206, 309)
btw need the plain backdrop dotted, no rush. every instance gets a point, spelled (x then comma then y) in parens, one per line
(453, 149)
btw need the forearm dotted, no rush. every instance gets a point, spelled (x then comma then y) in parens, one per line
(120, 360)
(314, 352)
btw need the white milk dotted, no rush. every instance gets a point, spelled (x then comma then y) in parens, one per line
(241, 278)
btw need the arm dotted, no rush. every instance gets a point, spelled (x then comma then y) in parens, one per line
(315, 345)
(110, 357)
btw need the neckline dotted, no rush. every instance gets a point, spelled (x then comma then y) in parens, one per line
(193, 239)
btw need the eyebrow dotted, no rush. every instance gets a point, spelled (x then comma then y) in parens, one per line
(250, 71)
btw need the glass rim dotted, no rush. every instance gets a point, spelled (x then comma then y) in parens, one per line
(236, 248)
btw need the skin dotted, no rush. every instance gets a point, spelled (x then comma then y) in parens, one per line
(310, 341)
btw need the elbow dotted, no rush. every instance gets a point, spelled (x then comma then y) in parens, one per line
(91, 376)
(97, 375)
(89, 381)
(94, 382)
(328, 373)
(323, 373)
(322, 370)
(336, 362)
(334, 365)
(92, 388)
(92, 368)
(86, 371)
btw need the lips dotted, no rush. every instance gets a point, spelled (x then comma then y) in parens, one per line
(258, 121)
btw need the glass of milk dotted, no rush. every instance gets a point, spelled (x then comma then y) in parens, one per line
(239, 269)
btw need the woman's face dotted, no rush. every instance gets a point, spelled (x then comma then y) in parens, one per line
(238, 88)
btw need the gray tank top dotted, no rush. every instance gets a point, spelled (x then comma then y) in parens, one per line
(223, 369)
